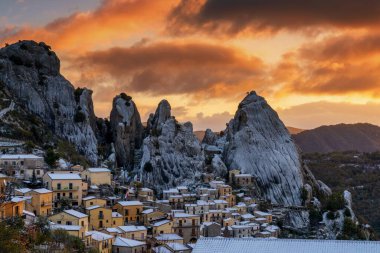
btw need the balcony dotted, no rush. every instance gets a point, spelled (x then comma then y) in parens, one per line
(46, 203)
(63, 189)
(66, 197)
(101, 216)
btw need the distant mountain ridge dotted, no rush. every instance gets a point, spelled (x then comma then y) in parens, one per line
(362, 137)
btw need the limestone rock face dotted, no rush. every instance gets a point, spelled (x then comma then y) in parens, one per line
(172, 154)
(258, 143)
(210, 137)
(31, 72)
(127, 129)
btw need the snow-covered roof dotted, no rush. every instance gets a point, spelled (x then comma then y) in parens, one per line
(92, 207)
(148, 211)
(116, 215)
(177, 246)
(75, 213)
(246, 245)
(96, 170)
(20, 156)
(124, 242)
(28, 213)
(173, 190)
(99, 236)
(184, 215)
(19, 199)
(244, 175)
(64, 176)
(130, 203)
(262, 213)
(113, 230)
(65, 227)
(159, 223)
(42, 190)
(132, 228)
(168, 237)
(88, 198)
(247, 216)
(23, 190)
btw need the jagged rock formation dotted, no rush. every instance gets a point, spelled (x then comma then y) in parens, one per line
(30, 71)
(258, 143)
(210, 137)
(127, 129)
(172, 154)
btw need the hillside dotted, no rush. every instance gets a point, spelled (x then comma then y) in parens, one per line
(361, 137)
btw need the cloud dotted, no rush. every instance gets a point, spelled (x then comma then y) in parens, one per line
(216, 122)
(167, 68)
(311, 115)
(112, 21)
(232, 17)
(345, 64)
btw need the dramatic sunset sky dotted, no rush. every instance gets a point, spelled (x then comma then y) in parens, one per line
(316, 62)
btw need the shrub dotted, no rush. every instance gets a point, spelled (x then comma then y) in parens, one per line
(79, 117)
(77, 93)
(335, 202)
(148, 167)
(51, 157)
(330, 215)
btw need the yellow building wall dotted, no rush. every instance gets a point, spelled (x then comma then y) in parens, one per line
(94, 202)
(131, 214)
(97, 221)
(63, 218)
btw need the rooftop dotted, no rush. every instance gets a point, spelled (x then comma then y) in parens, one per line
(99, 236)
(130, 203)
(75, 213)
(65, 227)
(168, 237)
(227, 245)
(42, 190)
(95, 170)
(20, 156)
(124, 242)
(132, 228)
(64, 176)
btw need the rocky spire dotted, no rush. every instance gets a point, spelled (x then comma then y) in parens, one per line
(258, 143)
(172, 154)
(31, 72)
(127, 129)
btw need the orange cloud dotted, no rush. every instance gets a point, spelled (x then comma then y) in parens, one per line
(112, 21)
(334, 66)
(167, 68)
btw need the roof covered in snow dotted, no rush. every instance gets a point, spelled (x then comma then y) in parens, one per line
(130, 203)
(64, 176)
(20, 156)
(246, 245)
(124, 242)
(75, 213)
(95, 170)
(132, 228)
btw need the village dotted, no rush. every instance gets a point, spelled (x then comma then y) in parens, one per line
(113, 216)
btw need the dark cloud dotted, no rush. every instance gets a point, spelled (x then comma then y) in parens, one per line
(271, 15)
(171, 68)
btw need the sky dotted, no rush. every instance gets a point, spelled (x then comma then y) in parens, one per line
(316, 62)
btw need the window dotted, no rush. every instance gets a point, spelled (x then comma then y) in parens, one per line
(22, 162)
(59, 186)
(59, 222)
(82, 223)
(70, 186)
(69, 223)
(126, 212)
(38, 172)
(71, 195)
(142, 235)
(133, 236)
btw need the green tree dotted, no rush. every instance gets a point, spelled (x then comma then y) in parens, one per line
(51, 157)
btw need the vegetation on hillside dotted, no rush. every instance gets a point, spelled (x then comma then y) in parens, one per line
(357, 172)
